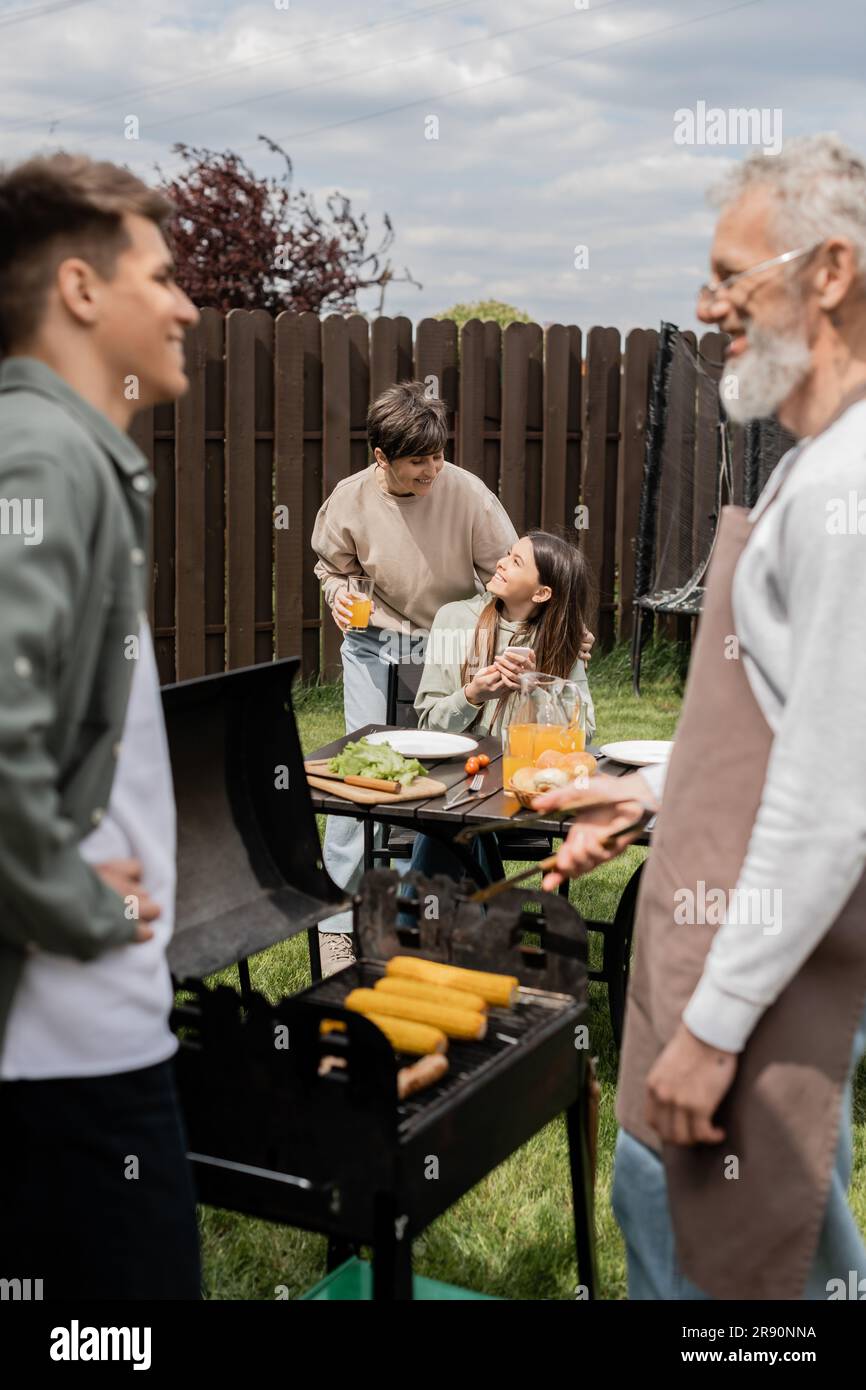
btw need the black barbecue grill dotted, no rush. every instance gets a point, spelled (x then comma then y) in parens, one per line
(294, 1125)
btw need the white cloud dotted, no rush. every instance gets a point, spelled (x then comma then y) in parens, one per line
(656, 173)
(526, 166)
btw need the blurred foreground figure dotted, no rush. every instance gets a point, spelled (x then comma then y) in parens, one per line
(97, 1201)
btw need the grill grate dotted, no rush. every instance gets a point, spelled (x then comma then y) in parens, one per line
(506, 1028)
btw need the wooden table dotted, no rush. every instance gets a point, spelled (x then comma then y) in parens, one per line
(432, 817)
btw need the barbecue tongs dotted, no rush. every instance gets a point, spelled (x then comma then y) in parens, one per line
(485, 827)
(483, 895)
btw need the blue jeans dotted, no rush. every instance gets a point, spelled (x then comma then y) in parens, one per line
(365, 700)
(431, 856)
(640, 1205)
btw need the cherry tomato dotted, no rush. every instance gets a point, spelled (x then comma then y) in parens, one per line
(472, 766)
(482, 759)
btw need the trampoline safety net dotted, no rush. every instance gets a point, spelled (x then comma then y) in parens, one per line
(696, 462)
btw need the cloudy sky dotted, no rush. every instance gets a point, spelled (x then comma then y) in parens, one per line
(555, 121)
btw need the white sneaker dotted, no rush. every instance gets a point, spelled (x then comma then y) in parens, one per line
(337, 950)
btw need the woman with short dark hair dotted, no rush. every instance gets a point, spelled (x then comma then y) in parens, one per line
(426, 533)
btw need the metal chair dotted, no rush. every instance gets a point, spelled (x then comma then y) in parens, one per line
(616, 960)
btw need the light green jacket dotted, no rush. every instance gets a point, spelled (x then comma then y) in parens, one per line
(73, 591)
(440, 701)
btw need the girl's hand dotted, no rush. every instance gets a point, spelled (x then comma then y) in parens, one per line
(587, 642)
(487, 684)
(342, 609)
(514, 661)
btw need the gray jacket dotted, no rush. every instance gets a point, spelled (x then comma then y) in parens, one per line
(75, 505)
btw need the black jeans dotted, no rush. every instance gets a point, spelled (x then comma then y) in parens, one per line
(96, 1198)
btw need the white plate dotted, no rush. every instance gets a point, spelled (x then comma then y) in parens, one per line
(643, 752)
(424, 743)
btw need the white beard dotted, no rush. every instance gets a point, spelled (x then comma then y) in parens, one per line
(774, 365)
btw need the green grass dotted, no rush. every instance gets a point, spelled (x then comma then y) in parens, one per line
(511, 1235)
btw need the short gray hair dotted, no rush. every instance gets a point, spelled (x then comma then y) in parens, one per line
(818, 185)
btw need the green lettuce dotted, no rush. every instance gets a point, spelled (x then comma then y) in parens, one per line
(364, 759)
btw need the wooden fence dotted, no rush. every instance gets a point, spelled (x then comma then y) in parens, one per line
(275, 416)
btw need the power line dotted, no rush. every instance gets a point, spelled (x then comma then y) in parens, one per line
(21, 16)
(174, 84)
(506, 77)
(381, 67)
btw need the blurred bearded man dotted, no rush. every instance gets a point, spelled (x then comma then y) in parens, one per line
(743, 1033)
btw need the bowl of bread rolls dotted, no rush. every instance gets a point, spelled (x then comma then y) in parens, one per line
(549, 772)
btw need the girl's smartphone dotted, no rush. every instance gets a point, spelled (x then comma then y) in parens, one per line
(520, 651)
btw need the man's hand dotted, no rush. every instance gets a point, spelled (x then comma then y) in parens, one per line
(587, 642)
(124, 876)
(686, 1087)
(583, 849)
(342, 609)
(488, 684)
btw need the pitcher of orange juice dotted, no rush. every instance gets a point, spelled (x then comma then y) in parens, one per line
(548, 714)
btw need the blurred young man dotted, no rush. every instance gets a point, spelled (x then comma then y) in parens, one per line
(746, 1015)
(97, 1201)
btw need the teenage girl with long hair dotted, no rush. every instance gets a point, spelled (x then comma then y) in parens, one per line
(538, 598)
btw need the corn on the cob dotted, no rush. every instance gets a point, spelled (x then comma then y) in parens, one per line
(403, 1036)
(406, 1036)
(457, 1023)
(495, 989)
(427, 989)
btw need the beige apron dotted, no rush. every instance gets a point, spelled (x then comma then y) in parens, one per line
(753, 1236)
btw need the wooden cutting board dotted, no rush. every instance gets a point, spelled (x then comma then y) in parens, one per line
(421, 788)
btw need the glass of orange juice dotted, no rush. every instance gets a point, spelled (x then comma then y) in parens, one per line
(361, 596)
(549, 715)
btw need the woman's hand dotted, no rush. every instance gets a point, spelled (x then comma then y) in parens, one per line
(514, 661)
(622, 798)
(342, 609)
(587, 642)
(487, 684)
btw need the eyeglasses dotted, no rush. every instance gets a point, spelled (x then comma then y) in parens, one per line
(708, 294)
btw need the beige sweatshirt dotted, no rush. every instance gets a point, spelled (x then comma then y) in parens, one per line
(420, 552)
(440, 701)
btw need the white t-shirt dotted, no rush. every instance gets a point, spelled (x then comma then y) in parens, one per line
(110, 1014)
